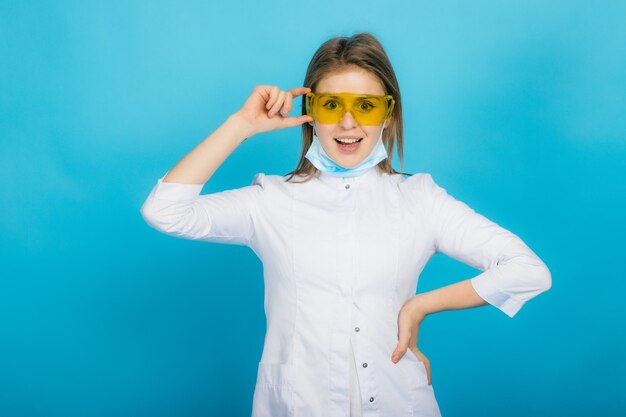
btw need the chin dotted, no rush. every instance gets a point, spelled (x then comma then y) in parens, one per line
(348, 162)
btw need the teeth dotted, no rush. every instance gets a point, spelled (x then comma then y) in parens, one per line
(343, 140)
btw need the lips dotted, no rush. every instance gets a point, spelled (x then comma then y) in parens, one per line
(348, 148)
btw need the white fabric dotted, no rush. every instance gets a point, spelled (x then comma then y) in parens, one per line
(340, 254)
(355, 394)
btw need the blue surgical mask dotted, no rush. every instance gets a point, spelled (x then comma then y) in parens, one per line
(320, 159)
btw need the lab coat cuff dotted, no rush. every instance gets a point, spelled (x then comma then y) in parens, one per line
(173, 191)
(484, 285)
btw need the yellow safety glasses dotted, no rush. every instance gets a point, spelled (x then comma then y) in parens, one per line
(329, 108)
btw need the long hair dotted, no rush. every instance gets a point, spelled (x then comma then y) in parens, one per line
(364, 51)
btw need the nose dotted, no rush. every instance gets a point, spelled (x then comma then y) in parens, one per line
(347, 121)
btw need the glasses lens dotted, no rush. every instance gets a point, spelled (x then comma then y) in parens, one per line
(369, 110)
(330, 108)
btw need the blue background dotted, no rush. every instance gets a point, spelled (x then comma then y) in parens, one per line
(516, 108)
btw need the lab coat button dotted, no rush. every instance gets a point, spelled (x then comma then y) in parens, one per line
(347, 186)
(356, 329)
(364, 364)
(371, 399)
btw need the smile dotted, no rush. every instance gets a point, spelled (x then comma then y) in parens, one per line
(348, 140)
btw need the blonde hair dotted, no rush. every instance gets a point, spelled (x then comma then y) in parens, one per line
(364, 51)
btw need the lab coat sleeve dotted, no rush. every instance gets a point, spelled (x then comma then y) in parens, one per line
(511, 272)
(179, 210)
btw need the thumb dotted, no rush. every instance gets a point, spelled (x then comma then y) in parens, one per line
(295, 121)
(404, 335)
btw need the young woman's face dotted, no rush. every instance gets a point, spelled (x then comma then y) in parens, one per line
(357, 81)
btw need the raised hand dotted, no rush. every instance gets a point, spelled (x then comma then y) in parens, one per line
(262, 110)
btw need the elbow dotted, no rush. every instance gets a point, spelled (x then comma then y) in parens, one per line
(179, 220)
(534, 274)
(147, 213)
(154, 217)
(544, 278)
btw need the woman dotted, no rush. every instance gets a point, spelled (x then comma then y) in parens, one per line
(343, 240)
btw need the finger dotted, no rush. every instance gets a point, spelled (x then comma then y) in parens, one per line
(278, 104)
(404, 335)
(422, 358)
(288, 104)
(298, 91)
(295, 121)
(426, 363)
(264, 91)
(273, 96)
(273, 93)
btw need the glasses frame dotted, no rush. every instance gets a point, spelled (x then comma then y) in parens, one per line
(311, 97)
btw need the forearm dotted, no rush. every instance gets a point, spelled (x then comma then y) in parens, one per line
(200, 164)
(451, 297)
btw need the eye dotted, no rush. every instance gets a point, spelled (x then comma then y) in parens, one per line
(364, 105)
(331, 105)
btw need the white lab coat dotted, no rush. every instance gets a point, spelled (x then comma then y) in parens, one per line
(340, 257)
